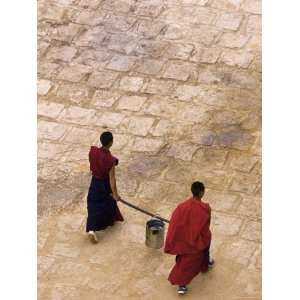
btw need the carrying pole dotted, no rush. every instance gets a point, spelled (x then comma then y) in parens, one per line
(144, 211)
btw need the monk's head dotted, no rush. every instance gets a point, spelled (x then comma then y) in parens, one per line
(106, 139)
(198, 189)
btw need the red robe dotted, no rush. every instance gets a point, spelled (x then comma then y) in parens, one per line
(189, 238)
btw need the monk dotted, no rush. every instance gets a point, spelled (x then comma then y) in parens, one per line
(189, 238)
(102, 197)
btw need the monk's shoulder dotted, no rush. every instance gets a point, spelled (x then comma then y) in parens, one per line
(206, 206)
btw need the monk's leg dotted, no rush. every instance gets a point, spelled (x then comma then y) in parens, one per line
(186, 268)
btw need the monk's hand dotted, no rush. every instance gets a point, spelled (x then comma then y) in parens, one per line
(116, 197)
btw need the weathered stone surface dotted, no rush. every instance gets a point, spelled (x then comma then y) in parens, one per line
(150, 66)
(91, 17)
(92, 37)
(43, 87)
(250, 206)
(182, 151)
(254, 24)
(179, 51)
(240, 251)
(52, 13)
(113, 23)
(160, 87)
(211, 157)
(50, 150)
(78, 115)
(65, 33)
(103, 98)
(44, 264)
(179, 70)
(66, 250)
(74, 73)
(47, 69)
(49, 109)
(243, 163)
(209, 55)
(226, 225)
(147, 145)
(230, 5)
(229, 21)
(131, 83)
(73, 92)
(121, 63)
(149, 29)
(64, 53)
(140, 125)
(51, 130)
(220, 201)
(102, 79)
(252, 231)
(237, 58)
(244, 183)
(187, 92)
(161, 107)
(162, 128)
(190, 114)
(252, 6)
(81, 136)
(133, 103)
(203, 137)
(110, 119)
(149, 9)
(94, 58)
(233, 40)
(123, 6)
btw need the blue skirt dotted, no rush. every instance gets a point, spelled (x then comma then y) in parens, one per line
(100, 205)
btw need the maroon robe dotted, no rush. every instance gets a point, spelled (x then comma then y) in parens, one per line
(189, 239)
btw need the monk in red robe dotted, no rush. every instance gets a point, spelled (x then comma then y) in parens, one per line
(189, 238)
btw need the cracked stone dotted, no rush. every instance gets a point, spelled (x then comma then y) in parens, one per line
(162, 128)
(110, 119)
(187, 92)
(150, 66)
(64, 53)
(91, 17)
(161, 87)
(94, 58)
(179, 71)
(47, 69)
(82, 136)
(74, 93)
(92, 37)
(179, 51)
(244, 183)
(243, 163)
(102, 79)
(250, 206)
(133, 103)
(149, 29)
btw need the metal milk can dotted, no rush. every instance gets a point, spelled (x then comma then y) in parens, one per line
(155, 233)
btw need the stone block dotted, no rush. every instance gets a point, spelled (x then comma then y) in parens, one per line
(102, 79)
(51, 130)
(233, 40)
(179, 70)
(179, 51)
(250, 207)
(149, 29)
(226, 225)
(133, 103)
(94, 58)
(211, 157)
(43, 87)
(237, 58)
(47, 69)
(187, 92)
(78, 115)
(91, 17)
(221, 201)
(64, 53)
(162, 128)
(48, 150)
(254, 24)
(147, 145)
(160, 87)
(252, 231)
(252, 6)
(131, 84)
(239, 251)
(149, 8)
(182, 151)
(229, 21)
(92, 37)
(51, 12)
(44, 264)
(192, 114)
(74, 93)
(65, 33)
(49, 109)
(66, 250)
(110, 119)
(244, 183)
(160, 107)
(82, 136)
(113, 23)
(150, 66)
(140, 125)
(121, 63)
(202, 34)
(243, 163)
(103, 98)
(203, 137)
(74, 73)
(91, 4)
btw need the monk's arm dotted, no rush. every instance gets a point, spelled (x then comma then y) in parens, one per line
(113, 183)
